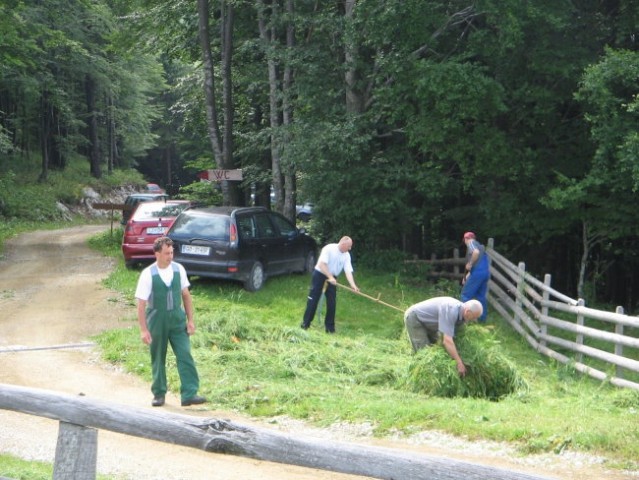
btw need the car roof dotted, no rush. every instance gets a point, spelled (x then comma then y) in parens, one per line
(144, 208)
(147, 195)
(157, 203)
(228, 210)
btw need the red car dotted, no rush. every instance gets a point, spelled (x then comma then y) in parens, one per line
(149, 221)
(154, 188)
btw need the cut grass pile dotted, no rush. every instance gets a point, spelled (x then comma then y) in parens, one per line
(490, 373)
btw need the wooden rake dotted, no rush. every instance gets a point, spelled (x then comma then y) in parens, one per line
(376, 300)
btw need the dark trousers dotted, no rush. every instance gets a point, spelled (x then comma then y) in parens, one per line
(314, 295)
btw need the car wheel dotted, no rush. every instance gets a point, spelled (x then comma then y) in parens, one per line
(129, 264)
(256, 278)
(309, 262)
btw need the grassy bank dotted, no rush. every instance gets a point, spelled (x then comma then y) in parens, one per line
(29, 203)
(253, 358)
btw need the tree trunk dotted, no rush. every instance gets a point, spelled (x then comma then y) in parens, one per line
(354, 102)
(94, 150)
(110, 134)
(588, 241)
(209, 87)
(268, 36)
(226, 36)
(290, 187)
(44, 136)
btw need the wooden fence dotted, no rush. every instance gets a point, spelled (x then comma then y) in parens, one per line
(601, 344)
(80, 419)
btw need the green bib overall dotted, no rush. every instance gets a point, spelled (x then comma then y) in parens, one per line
(166, 321)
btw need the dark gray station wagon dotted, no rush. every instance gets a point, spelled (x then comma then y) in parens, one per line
(246, 244)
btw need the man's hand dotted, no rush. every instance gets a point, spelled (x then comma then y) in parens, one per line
(450, 347)
(146, 337)
(190, 327)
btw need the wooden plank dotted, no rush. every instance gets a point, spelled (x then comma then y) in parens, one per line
(616, 338)
(594, 352)
(76, 453)
(227, 437)
(596, 314)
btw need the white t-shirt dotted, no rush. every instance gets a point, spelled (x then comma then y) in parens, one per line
(336, 260)
(145, 282)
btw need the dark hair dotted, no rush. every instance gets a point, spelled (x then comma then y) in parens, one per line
(160, 242)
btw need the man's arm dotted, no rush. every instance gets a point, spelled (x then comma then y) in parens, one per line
(449, 345)
(323, 266)
(474, 258)
(351, 280)
(187, 300)
(145, 335)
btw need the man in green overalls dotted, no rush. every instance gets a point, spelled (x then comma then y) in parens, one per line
(165, 315)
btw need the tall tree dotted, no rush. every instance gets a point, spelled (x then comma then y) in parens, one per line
(222, 144)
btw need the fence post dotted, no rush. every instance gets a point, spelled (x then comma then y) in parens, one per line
(580, 337)
(456, 266)
(76, 453)
(545, 295)
(618, 346)
(520, 290)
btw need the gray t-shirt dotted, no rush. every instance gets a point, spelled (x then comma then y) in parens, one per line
(443, 313)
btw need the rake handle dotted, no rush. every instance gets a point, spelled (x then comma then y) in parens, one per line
(376, 300)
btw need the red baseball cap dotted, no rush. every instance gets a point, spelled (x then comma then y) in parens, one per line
(468, 235)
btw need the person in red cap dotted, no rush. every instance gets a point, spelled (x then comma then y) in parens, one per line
(475, 282)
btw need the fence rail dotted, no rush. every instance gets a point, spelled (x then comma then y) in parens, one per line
(80, 419)
(545, 316)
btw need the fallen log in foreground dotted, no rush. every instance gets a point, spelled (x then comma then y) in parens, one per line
(227, 437)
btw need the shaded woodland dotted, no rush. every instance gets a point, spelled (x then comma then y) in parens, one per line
(406, 123)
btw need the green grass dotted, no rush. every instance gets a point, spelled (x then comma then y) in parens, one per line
(27, 203)
(17, 469)
(254, 359)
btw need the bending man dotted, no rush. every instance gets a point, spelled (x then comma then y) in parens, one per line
(426, 320)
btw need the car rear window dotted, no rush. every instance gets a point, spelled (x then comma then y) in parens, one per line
(148, 211)
(210, 227)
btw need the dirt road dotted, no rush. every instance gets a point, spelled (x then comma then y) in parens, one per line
(51, 297)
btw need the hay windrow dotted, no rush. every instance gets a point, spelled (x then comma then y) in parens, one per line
(490, 374)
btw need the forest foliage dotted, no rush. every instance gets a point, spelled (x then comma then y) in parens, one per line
(406, 123)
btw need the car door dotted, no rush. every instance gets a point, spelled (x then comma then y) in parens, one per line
(270, 243)
(292, 254)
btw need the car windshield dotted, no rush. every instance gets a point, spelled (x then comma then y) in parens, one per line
(148, 211)
(194, 225)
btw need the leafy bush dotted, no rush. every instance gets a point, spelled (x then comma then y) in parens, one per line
(387, 260)
(202, 192)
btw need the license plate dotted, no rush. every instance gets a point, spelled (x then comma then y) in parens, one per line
(156, 230)
(196, 250)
